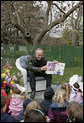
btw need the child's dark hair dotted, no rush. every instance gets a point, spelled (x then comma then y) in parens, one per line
(34, 115)
(3, 101)
(76, 85)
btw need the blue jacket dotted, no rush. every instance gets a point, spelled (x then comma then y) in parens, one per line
(7, 118)
(20, 117)
(48, 94)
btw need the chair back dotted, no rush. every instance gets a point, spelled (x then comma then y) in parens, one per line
(23, 61)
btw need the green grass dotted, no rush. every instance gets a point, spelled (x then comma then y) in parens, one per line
(68, 72)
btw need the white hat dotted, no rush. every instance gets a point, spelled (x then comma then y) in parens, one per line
(81, 86)
(74, 79)
(22, 89)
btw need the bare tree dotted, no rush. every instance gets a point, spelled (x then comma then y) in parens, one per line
(30, 20)
(58, 21)
(23, 16)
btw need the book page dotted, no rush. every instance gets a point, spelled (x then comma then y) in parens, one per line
(55, 68)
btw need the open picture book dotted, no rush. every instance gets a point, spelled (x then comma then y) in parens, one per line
(55, 68)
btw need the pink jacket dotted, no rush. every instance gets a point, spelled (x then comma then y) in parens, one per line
(16, 105)
(78, 98)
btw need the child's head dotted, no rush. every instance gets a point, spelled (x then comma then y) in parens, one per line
(59, 97)
(16, 90)
(3, 103)
(34, 115)
(67, 88)
(64, 85)
(75, 83)
(76, 86)
(32, 105)
(75, 79)
(48, 94)
(74, 111)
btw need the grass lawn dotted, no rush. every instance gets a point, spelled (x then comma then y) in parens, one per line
(68, 72)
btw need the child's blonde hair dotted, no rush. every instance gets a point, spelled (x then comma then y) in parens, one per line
(67, 88)
(59, 97)
(17, 93)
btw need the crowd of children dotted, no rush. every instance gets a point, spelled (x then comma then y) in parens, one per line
(63, 105)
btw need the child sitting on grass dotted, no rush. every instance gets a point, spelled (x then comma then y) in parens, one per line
(76, 93)
(4, 116)
(16, 101)
(66, 87)
(35, 115)
(57, 110)
(75, 112)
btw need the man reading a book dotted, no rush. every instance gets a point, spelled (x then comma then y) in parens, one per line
(37, 65)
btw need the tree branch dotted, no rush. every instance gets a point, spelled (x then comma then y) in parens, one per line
(47, 13)
(59, 21)
(16, 12)
(58, 8)
(61, 9)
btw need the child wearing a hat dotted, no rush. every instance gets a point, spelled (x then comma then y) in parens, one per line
(76, 93)
(79, 94)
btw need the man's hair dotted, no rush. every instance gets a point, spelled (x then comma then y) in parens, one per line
(3, 101)
(38, 49)
(34, 115)
(74, 111)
